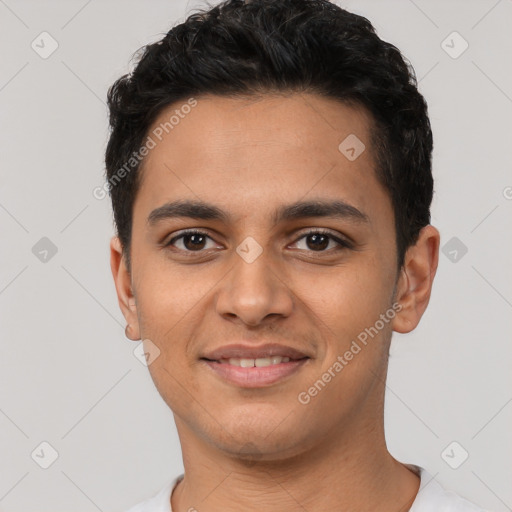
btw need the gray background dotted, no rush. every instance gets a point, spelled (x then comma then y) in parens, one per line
(68, 375)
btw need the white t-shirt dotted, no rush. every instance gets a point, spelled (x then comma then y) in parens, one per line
(431, 497)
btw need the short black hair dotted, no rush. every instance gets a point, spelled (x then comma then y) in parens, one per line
(252, 47)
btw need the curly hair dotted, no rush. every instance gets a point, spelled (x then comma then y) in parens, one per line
(256, 46)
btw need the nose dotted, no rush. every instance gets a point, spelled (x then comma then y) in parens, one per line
(253, 292)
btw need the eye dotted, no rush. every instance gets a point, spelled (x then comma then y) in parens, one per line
(320, 241)
(191, 241)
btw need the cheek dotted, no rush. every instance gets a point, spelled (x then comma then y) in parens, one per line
(173, 303)
(347, 305)
(351, 297)
(169, 315)
(168, 295)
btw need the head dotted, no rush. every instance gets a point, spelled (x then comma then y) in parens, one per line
(295, 143)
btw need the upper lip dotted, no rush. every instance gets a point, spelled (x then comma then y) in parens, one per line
(240, 351)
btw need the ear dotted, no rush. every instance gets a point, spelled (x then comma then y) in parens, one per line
(415, 282)
(125, 297)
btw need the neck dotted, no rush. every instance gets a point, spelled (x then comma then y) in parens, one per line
(350, 469)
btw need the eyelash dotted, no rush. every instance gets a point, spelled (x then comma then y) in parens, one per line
(343, 244)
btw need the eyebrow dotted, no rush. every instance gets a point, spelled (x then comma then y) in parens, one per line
(299, 210)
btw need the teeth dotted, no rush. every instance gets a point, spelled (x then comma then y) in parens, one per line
(261, 361)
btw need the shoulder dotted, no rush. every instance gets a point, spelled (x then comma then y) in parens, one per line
(160, 502)
(432, 497)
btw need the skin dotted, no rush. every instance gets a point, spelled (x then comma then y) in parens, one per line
(249, 157)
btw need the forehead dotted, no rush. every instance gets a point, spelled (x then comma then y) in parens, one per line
(250, 152)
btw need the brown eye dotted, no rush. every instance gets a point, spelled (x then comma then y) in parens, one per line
(191, 241)
(317, 241)
(194, 242)
(320, 241)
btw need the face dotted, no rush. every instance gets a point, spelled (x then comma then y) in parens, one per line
(292, 254)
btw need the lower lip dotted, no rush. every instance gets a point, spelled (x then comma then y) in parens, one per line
(255, 377)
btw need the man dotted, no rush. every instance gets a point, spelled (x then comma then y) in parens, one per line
(270, 172)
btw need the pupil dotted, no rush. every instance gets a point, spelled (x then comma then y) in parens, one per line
(315, 239)
(196, 244)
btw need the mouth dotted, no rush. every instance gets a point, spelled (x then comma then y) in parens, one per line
(260, 362)
(253, 367)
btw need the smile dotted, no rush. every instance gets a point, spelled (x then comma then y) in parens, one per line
(260, 362)
(255, 373)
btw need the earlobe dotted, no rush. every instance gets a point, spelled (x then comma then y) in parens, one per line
(122, 280)
(415, 282)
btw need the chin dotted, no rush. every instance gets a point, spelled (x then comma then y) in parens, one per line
(258, 438)
(254, 450)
